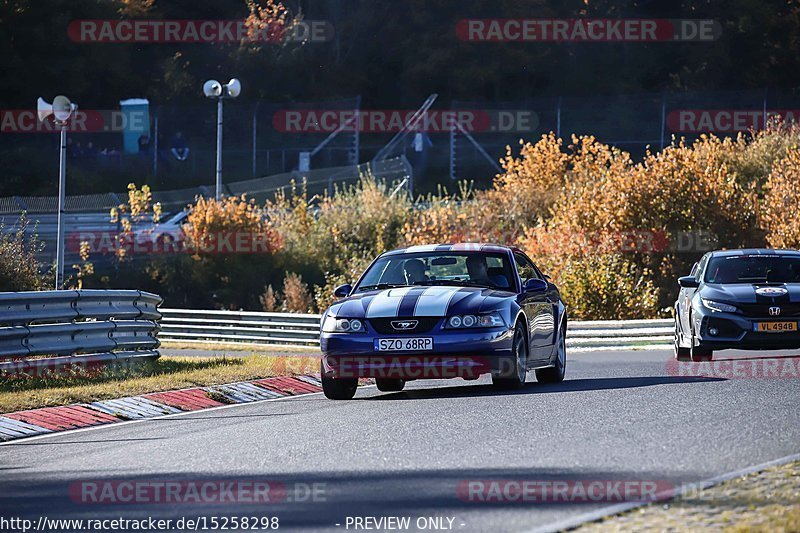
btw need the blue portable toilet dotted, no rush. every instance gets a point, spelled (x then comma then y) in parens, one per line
(135, 122)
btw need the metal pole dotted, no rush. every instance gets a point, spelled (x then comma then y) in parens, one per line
(254, 140)
(558, 118)
(218, 194)
(155, 147)
(62, 178)
(663, 118)
(452, 154)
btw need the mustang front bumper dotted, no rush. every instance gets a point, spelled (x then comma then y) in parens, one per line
(455, 353)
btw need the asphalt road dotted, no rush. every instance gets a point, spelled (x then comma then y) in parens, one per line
(619, 416)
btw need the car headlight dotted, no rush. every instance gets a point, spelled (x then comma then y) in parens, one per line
(334, 324)
(474, 321)
(719, 306)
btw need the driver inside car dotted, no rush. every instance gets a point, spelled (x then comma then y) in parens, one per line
(479, 272)
(414, 270)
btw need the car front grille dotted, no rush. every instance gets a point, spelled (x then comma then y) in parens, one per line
(762, 310)
(384, 325)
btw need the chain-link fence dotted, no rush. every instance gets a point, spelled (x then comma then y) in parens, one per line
(272, 139)
(630, 122)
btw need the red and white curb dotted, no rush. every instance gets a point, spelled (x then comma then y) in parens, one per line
(52, 419)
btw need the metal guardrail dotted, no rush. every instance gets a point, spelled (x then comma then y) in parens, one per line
(292, 329)
(76, 327)
(620, 333)
(281, 329)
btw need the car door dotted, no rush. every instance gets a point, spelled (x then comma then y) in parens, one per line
(538, 309)
(686, 294)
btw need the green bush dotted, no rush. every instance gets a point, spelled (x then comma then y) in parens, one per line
(19, 268)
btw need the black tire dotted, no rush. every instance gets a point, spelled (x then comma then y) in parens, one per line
(390, 384)
(681, 354)
(556, 373)
(700, 354)
(515, 378)
(339, 388)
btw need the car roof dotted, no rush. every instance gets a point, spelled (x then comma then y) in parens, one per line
(453, 247)
(756, 251)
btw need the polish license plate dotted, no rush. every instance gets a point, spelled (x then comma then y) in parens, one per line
(774, 327)
(410, 344)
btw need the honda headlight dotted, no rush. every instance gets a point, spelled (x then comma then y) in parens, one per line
(718, 306)
(489, 320)
(334, 324)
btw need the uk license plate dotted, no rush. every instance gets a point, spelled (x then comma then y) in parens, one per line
(774, 327)
(410, 344)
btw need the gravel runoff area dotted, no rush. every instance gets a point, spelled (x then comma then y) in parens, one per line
(767, 501)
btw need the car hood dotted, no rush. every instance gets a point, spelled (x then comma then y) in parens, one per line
(752, 293)
(421, 301)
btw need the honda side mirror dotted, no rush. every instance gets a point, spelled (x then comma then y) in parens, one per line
(688, 282)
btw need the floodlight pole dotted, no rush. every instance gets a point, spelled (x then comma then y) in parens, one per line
(218, 194)
(62, 178)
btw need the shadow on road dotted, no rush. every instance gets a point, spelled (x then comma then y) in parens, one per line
(571, 385)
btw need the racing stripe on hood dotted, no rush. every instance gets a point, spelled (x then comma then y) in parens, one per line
(353, 308)
(409, 301)
(435, 301)
(463, 301)
(386, 303)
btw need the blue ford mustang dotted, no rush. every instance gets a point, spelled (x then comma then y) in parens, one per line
(747, 299)
(444, 311)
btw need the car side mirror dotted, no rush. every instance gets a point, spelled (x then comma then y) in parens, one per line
(342, 291)
(535, 285)
(688, 282)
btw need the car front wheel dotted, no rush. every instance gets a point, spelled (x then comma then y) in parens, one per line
(700, 354)
(681, 354)
(514, 377)
(338, 388)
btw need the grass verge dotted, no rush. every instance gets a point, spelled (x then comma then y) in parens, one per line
(118, 380)
(763, 502)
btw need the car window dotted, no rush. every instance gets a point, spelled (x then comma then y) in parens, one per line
(525, 268)
(431, 268)
(701, 265)
(753, 269)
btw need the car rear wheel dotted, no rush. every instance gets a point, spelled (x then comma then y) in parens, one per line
(338, 388)
(681, 354)
(556, 373)
(514, 377)
(389, 384)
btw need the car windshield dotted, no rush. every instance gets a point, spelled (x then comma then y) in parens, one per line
(753, 269)
(477, 269)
